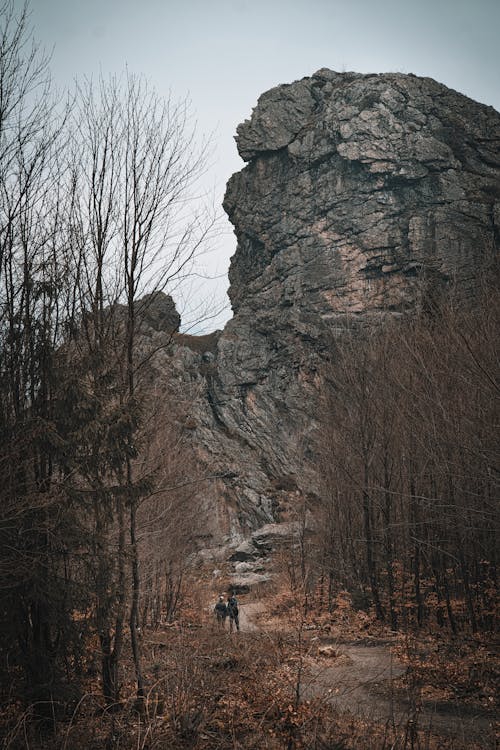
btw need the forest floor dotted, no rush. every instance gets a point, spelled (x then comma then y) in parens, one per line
(369, 677)
(286, 681)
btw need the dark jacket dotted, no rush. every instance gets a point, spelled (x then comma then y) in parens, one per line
(220, 609)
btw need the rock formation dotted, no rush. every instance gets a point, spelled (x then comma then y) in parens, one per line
(362, 194)
(154, 312)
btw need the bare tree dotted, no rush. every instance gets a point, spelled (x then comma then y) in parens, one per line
(95, 211)
(134, 163)
(37, 594)
(171, 518)
(408, 463)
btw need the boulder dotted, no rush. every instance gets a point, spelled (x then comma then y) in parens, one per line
(247, 567)
(244, 552)
(274, 534)
(242, 584)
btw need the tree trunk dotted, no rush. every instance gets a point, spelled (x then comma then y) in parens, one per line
(372, 573)
(134, 610)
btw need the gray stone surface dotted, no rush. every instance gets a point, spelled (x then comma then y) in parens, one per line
(384, 175)
(154, 312)
(244, 552)
(247, 567)
(362, 195)
(158, 311)
(272, 535)
(213, 554)
(242, 584)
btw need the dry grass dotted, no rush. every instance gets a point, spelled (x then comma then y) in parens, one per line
(211, 690)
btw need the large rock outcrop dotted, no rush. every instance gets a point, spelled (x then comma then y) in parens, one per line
(362, 195)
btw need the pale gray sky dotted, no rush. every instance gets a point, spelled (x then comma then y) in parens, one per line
(225, 53)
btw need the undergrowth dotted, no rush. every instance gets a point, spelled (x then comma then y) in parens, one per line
(208, 689)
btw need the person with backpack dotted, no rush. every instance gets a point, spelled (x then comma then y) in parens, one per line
(232, 611)
(221, 612)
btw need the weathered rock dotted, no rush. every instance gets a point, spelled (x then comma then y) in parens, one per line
(242, 584)
(244, 552)
(158, 311)
(212, 554)
(154, 312)
(377, 178)
(363, 196)
(248, 567)
(272, 535)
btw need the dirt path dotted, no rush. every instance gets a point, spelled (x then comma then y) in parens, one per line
(248, 613)
(355, 678)
(359, 679)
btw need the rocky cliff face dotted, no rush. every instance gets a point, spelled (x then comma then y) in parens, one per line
(362, 194)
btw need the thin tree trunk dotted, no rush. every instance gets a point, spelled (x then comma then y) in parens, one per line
(415, 520)
(134, 610)
(388, 544)
(372, 574)
(449, 609)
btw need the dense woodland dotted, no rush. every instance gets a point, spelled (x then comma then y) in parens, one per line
(410, 465)
(92, 208)
(93, 198)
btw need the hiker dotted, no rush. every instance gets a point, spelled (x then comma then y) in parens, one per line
(220, 610)
(232, 610)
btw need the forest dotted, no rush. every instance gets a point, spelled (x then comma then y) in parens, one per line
(106, 632)
(409, 452)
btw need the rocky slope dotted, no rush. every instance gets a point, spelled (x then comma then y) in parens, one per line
(362, 195)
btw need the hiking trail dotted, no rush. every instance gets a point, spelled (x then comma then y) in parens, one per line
(359, 678)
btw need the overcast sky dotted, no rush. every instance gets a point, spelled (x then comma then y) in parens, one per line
(225, 53)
